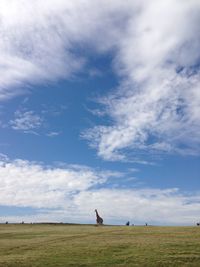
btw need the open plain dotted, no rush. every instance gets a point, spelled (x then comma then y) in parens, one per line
(39, 245)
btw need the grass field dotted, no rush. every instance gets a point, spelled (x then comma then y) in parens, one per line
(74, 245)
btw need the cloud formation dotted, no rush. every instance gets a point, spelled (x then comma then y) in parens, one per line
(53, 134)
(155, 53)
(25, 183)
(157, 103)
(40, 43)
(70, 193)
(26, 121)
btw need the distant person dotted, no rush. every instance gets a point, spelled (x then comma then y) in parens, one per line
(128, 223)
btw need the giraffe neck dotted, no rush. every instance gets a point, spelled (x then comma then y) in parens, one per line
(97, 214)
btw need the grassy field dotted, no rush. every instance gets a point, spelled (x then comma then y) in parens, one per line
(74, 245)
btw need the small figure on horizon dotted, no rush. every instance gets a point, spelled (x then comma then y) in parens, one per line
(198, 224)
(99, 220)
(146, 224)
(128, 223)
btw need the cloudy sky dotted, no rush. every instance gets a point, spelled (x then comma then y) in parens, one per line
(100, 109)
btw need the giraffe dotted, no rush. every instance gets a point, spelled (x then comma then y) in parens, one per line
(99, 220)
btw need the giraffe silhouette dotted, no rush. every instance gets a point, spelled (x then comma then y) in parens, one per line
(99, 220)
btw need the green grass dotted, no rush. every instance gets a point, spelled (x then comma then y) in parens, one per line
(79, 245)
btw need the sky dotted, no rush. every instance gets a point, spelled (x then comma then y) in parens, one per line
(100, 109)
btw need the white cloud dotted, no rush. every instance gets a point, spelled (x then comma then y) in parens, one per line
(157, 104)
(53, 134)
(39, 43)
(70, 193)
(33, 44)
(25, 183)
(26, 121)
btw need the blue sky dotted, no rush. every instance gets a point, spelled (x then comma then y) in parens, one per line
(99, 108)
